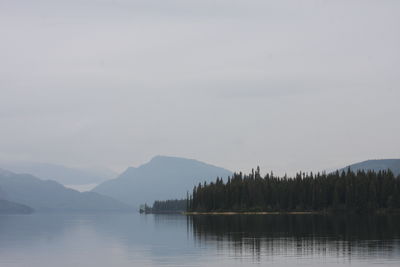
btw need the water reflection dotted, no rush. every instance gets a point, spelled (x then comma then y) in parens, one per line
(345, 237)
(103, 240)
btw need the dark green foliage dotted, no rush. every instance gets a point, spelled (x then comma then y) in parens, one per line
(347, 191)
(168, 206)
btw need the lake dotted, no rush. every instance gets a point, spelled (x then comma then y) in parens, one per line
(177, 240)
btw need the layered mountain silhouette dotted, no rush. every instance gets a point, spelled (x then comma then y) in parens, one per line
(59, 173)
(377, 165)
(161, 178)
(50, 196)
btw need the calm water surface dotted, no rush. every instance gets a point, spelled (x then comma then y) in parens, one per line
(176, 240)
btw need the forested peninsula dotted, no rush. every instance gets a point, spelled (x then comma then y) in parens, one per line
(346, 191)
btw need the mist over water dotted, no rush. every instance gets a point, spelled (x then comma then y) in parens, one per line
(177, 240)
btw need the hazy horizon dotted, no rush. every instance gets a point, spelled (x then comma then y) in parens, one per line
(285, 85)
(116, 173)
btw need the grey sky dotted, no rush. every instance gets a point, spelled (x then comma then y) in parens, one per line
(286, 85)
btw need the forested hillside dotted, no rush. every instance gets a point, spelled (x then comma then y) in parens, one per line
(346, 190)
(166, 206)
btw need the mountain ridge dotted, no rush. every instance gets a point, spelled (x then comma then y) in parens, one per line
(163, 177)
(51, 196)
(376, 165)
(60, 173)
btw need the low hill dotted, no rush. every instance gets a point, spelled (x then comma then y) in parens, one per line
(8, 207)
(47, 195)
(377, 165)
(161, 178)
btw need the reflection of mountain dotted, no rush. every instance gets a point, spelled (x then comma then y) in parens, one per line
(28, 229)
(96, 239)
(299, 234)
(124, 239)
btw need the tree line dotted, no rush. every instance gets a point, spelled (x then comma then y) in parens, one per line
(165, 206)
(346, 190)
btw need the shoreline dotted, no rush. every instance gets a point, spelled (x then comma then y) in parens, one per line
(253, 212)
(320, 212)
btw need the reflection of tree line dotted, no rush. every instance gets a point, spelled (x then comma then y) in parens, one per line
(300, 234)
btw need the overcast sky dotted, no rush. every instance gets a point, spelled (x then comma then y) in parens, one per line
(287, 85)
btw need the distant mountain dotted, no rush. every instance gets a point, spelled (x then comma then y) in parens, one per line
(377, 165)
(8, 207)
(51, 196)
(59, 173)
(161, 178)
